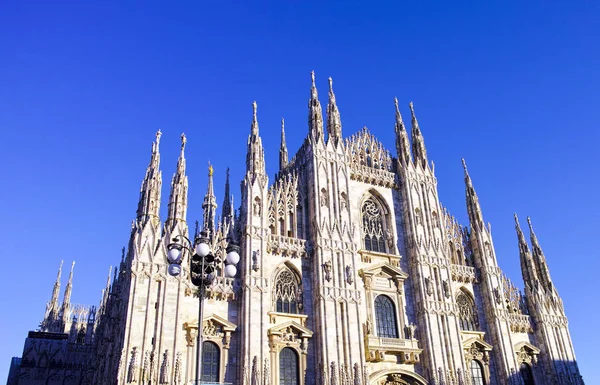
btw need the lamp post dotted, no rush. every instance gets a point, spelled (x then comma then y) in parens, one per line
(202, 274)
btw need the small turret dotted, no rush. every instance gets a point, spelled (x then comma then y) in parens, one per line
(334, 121)
(473, 207)
(56, 290)
(315, 113)
(179, 187)
(528, 269)
(210, 204)
(255, 157)
(149, 203)
(402, 144)
(540, 260)
(283, 152)
(418, 144)
(67, 298)
(227, 208)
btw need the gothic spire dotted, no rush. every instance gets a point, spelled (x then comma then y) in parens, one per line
(315, 114)
(106, 290)
(334, 121)
(56, 289)
(177, 211)
(255, 157)
(69, 288)
(227, 208)
(473, 207)
(209, 205)
(528, 269)
(539, 258)
(402, 144)
(149, 203)
(283, 152)
(418, 144)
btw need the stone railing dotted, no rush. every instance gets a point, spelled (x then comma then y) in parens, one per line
(286, 246)
(372, 175)
(407, 350)
(223, 288)
(519, 323)
(462, 273)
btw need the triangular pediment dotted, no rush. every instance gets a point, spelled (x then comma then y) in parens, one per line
(478, 342)
(296, 328)
(384, 269)
(531, 348)
(215, 319)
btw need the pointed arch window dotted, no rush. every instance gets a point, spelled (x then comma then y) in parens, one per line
(467, 312)
(526, 374)
(385, 317)
(211, 357)
(477, 373)
(288, 367)
(373, 226)
(287, 292)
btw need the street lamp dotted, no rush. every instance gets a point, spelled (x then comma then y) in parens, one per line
(202, 274)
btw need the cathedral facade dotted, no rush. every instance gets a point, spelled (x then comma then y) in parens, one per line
(352, 272)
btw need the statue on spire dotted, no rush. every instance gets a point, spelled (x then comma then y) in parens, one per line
(283, 152)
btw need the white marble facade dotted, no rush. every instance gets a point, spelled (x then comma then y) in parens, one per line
(352, 272)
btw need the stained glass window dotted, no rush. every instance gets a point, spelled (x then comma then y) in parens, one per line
(288, 367)
(476, 373)
(467, 312)
(210, 362)
(385, 317)
(372, 226)
(286, 292)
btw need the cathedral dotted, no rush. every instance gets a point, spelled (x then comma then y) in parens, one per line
(352, 272)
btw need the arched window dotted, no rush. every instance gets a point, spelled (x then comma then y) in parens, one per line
(81, 336)
(373, 226)
(467, 312)
(385, 317)
(288, 367)
(526, 374)
(477, 373)
(211, 357)
(286, 292)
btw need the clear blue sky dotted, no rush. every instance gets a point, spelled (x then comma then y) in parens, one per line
(511, 86)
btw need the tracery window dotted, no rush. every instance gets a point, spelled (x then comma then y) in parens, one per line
(476, 373)
(373, 226)
(288, 367)
(526, 374)
(467, 312)
(286, 292)
(211, 357)
(385, 317)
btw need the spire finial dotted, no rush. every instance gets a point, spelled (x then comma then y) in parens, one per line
(396, 103)
(158, 135)
(312, 76)
(210, 170)
(530, 225)
(183, 141)
(330, 84)
(59, 270)
(465, 168)
(254, 107)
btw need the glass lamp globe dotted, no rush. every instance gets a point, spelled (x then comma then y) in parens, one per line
(202, 249)
(230, 270)
(174, 255)
(174, 269)
(233, 258)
